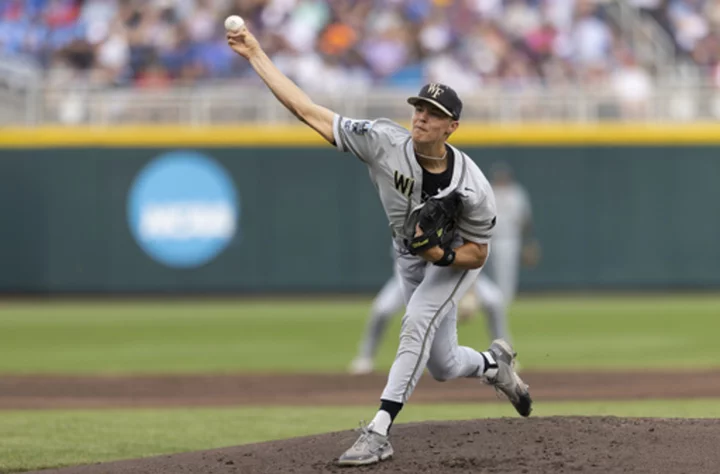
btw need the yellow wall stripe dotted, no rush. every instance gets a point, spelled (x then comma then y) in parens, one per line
(468, 134)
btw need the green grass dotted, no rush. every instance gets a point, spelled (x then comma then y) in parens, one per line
(322, 336)
(125, 336)
(35, 440)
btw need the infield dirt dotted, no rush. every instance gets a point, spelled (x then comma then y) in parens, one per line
(506, 445)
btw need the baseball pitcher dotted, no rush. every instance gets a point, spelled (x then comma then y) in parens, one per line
(441, 213)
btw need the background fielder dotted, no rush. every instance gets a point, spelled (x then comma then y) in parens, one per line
(513, 239)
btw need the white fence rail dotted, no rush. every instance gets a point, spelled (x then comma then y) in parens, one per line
(35, 106)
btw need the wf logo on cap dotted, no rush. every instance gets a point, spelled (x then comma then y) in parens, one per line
(441, 96)
(434, 90)
(183, 209)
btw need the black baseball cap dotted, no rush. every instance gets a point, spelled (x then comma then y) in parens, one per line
(441, 96)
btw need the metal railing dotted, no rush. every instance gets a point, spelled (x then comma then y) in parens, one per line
(231, 104)
(20, 84)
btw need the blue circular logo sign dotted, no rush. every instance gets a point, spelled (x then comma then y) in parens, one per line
(183, 209)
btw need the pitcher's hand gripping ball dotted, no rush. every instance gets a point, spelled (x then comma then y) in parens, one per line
(437, 221)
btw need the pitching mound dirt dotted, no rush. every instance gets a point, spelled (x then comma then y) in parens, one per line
(530, 446)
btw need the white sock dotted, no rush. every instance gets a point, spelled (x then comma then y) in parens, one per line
(491, 368)
(381, 423)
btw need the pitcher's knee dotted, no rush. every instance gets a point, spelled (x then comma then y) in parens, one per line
(441, 376)
(440, 372)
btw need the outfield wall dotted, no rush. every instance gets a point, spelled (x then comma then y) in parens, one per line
(630, 207)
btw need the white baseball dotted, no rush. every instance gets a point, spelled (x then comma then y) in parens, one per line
(234, 24)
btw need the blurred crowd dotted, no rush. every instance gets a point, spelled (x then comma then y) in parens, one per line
(350, 44)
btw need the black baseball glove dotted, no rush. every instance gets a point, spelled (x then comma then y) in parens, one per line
(437, 220)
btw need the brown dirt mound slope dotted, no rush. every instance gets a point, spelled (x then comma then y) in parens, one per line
(535, 446)
(37, 392)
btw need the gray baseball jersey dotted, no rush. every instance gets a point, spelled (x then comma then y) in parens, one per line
(428, 335)
(387, 149)
(513, 206)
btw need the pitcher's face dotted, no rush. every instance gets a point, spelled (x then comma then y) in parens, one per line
(430, 124)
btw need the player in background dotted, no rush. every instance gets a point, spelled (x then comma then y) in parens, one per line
(513, 240)
(390, 300)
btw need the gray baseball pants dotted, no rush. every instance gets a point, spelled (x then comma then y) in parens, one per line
(428, 336)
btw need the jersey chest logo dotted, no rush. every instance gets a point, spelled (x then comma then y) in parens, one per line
(404, 184)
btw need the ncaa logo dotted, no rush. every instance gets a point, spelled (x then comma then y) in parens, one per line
(183, 209)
